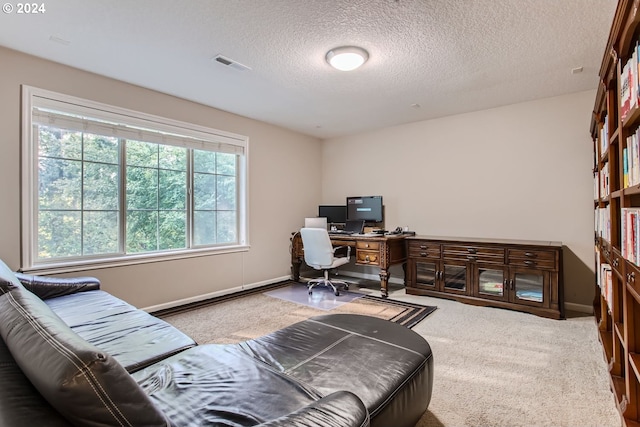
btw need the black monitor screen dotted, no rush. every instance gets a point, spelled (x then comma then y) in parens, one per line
(367, 208)
(333, 213)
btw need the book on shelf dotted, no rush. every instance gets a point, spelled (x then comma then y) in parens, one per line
(630, 234)
(625, 90)
(604, 180)
(605, 282)
(596, 186)
(604, 136)
(603, 223)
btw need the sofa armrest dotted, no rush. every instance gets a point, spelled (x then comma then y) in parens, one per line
(339, 409)
(51, 287)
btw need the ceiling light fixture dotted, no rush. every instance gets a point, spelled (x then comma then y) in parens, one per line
(347, 58)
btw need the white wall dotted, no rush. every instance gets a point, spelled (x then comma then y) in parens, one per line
(282, 188)
(523, 171)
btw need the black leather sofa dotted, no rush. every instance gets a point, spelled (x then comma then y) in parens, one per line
(74, 355)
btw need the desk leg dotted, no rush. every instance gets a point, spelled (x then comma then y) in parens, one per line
(384, 281)
(295, 269)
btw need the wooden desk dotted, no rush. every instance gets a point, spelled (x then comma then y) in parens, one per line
(380, 251)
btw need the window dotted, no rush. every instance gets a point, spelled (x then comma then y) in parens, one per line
(107, 185)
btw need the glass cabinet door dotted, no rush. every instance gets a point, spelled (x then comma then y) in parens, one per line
(529, 287)
(455, 278)
(491, 283)
(427, 274)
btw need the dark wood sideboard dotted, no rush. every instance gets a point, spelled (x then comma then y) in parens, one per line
(521, 275)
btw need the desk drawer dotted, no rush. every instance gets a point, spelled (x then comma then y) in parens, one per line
(532, 258)
(367, 257)
(374, 246)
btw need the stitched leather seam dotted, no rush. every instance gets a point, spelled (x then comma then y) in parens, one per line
(67, 353)
(371, 338)
(324, 350)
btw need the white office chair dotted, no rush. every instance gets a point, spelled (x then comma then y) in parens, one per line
(320, 254)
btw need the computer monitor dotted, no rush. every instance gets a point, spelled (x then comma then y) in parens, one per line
(366, 208)
(335, 214)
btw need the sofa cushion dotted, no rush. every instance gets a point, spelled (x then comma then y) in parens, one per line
(387, 365)
(219, 385)
(133, 337)
(20, 402)
(8, 279)
(86, 385)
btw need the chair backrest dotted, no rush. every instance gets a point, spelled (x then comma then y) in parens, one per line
(318, 251)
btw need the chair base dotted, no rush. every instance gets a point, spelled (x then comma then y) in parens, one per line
(325, 281)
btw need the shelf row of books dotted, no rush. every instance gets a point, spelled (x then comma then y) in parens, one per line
(630, 234)
(603, 223)
(602, 177)
(631, 160)
(604, 279)
(629, 82)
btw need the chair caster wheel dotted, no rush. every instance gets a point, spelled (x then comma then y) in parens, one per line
(310, 292)
(337, 293)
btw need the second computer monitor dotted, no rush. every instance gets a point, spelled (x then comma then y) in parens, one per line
(335, 214)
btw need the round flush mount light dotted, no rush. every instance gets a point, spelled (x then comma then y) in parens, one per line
(347, 58)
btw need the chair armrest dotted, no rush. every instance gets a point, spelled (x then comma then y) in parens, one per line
(50, 287)
(339, 409)
(342, 247)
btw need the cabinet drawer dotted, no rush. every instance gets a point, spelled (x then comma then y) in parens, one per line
(374, 246)
(532, 258)
(473, 253)
(367, 257)
(424, 250)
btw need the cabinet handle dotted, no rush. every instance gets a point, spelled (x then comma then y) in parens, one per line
(366, 258)
(530, 263)
(471, 250)
(366, 245)
(505, 284)
(631, 277)
(439, 275)
(511, 283)
(530, 254)
(423, 254)
(423, 246)
(472, 258)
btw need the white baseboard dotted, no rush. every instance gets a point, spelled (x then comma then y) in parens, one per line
(210, 295)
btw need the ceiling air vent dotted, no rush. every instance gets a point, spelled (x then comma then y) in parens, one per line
(228, 62)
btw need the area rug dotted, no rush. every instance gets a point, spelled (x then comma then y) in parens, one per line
(321, 297)
(240, 317)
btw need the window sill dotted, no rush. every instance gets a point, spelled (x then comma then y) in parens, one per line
(75, 266)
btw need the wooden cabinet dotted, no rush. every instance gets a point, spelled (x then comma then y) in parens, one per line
(514, 274)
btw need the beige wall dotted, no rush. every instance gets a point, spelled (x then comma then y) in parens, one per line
(282, 189)
(522, 171)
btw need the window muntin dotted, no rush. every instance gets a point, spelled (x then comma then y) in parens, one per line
(99, 194)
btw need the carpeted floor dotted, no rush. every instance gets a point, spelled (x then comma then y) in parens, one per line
(492, 367)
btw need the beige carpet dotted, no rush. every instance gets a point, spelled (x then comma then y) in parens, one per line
(493, 367)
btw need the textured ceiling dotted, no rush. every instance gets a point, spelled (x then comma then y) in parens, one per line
(448, 56)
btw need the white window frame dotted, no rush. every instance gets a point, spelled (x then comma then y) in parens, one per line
(197, 135)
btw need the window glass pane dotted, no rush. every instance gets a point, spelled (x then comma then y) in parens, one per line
(204, 231)
(204, 161)
(173, 190)
(59, 234)
(204, 191)
(101, 149)
(226, 193)
(226, 164)
(101, 186)
(59, 184)
(226, 230)
(142, 188)
(100, 232)
(172, 230)
(142, 231)
(54, 142)
(174, 158)
(142, 154)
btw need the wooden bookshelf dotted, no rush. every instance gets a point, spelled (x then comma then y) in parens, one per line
(615, 132)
